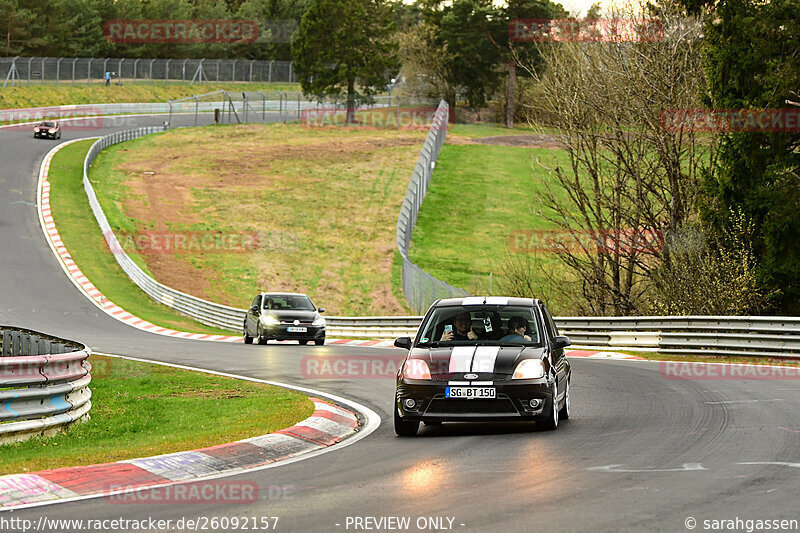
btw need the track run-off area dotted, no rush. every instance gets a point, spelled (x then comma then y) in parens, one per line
(644, 450)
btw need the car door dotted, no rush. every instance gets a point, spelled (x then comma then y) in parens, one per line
(251, 318)
(559, 360)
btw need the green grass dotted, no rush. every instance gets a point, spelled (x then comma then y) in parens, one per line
(140, 410)
(323, 201)
(63, 94)
(87, 246)
(480, 197)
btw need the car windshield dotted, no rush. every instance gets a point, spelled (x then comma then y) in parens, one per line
(485, 325)
(294, 303)
(47, 124)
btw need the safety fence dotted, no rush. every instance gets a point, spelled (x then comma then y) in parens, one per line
(27, 71)
(777, 337)
(44, 383)
(420, 288)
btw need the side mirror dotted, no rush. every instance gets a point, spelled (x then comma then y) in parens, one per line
(320, 309)
(561, 341)
(403, 342)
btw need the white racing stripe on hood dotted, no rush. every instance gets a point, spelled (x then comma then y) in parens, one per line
(461, 358)
(484, 358)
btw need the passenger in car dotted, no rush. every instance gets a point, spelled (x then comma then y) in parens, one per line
(517, 330)
(463, 329)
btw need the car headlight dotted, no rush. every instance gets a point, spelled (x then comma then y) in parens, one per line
(529, 369)
(319, 322)
(36, 129)
(416, 369)
(269, 320)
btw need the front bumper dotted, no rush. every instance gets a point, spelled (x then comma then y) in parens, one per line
(512, 401)
(280, 332)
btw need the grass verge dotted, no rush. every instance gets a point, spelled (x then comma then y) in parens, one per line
(87, 246)
(56, 95)
(140, 409)
(481, 200)
(319, 205)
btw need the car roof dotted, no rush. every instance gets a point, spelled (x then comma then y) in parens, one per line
(487, 300)
(284, 294)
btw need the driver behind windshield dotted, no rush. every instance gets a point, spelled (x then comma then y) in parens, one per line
(517, 328)
(463, 329)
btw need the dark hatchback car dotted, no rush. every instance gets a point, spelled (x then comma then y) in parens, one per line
(483, 359)
(284, 316)
(47, 129)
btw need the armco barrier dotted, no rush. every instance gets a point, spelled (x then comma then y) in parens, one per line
(777, 337)
(44, 383)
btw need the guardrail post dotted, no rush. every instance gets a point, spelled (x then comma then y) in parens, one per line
(7, 344)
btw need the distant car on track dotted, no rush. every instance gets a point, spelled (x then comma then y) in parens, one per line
(47, 129)
(483, 359)
(284, 316)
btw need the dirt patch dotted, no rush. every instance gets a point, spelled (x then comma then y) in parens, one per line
(538, 140)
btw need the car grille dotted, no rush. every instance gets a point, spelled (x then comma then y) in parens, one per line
(478, 406)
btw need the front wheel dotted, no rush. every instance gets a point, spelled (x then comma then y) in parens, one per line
(303, 342)
(261, 338)
(319, 342)
(247, 338)
(563, 414)
(403, 428)
(551, 422)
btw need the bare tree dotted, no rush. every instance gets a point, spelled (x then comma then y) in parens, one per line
(631, 179)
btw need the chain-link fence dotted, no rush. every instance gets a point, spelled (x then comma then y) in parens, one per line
(420, 288)
(27, 71)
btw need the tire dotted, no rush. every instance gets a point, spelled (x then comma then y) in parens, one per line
(551, 423)
(563, 414)
(403, 428)
(303, 342)
(260, 336)
(247, 338)
(319, 342)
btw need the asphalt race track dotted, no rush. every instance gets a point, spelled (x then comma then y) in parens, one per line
(640, 453)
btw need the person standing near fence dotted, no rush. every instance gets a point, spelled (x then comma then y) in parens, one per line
(108, 79)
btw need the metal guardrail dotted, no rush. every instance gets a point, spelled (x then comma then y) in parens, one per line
(420, 288)
(44, 383)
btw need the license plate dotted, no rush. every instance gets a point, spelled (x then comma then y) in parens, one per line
(292, 329)
(469, 392)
